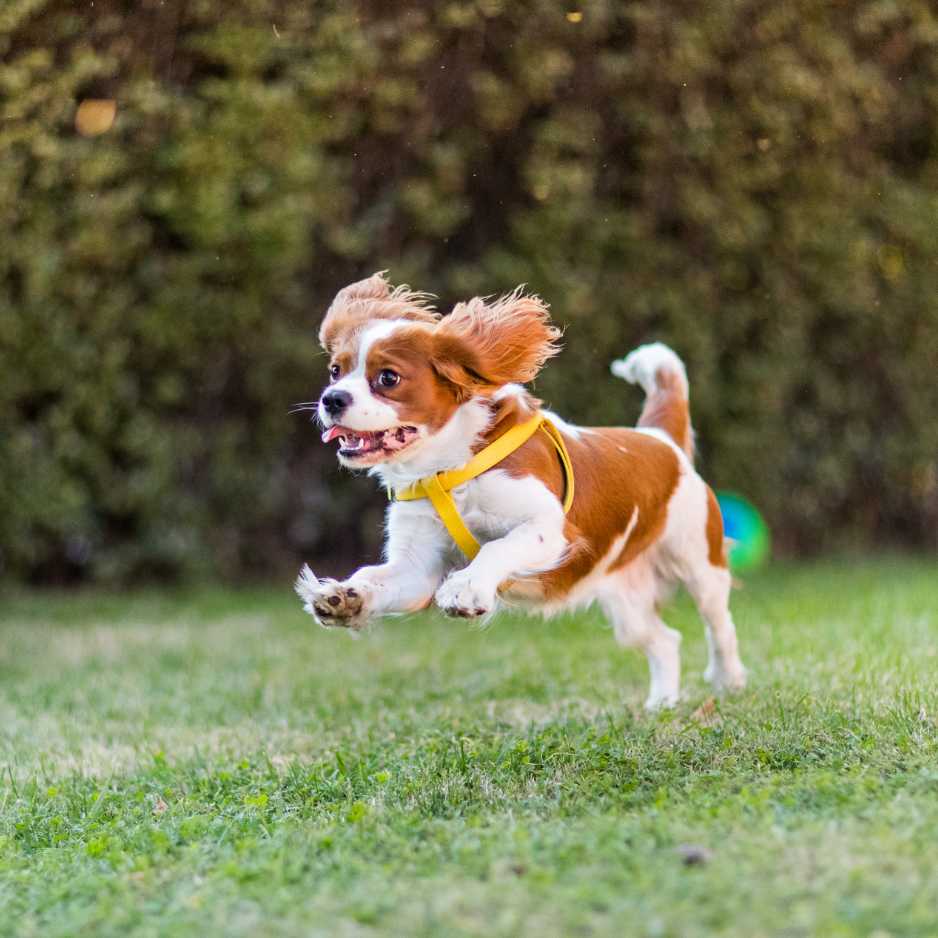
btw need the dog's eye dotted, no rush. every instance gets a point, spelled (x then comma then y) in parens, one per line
(388, 378)
(334, 372)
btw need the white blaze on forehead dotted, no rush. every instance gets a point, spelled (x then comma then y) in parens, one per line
(374, 333)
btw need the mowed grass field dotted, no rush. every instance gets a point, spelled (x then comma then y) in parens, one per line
(213, 763)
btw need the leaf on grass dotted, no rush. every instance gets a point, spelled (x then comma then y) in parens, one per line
(707, 714)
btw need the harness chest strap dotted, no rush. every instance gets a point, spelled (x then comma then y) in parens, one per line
(437, 487)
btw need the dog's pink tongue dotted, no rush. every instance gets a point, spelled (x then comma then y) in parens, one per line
(331, 434)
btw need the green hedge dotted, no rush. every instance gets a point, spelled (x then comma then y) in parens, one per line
(753, 183)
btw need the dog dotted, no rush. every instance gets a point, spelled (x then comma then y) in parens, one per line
(415, 396)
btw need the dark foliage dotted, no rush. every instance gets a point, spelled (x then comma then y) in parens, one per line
(753, 183)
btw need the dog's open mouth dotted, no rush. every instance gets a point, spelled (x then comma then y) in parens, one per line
(365, 444)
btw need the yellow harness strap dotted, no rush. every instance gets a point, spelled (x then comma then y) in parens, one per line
(437, 487)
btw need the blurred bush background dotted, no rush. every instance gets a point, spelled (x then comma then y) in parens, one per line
(755, 183)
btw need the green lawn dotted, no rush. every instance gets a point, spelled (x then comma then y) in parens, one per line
(213, 763)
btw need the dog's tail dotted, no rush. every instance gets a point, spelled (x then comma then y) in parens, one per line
(661, 373)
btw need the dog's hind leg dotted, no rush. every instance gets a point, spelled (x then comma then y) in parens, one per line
(693, 553)
(631, 607)
(710, 586)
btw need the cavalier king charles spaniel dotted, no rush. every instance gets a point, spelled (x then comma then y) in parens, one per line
(413, 394)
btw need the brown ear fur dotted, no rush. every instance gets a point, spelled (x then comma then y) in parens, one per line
(372, 298)
(480, 345)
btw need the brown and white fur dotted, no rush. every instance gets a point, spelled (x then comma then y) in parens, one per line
(435, 390)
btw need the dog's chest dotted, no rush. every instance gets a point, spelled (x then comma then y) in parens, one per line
(496, 503)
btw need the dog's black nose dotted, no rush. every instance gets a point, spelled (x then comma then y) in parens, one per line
(334, 402)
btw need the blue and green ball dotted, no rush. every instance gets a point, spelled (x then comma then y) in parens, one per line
(750, 541)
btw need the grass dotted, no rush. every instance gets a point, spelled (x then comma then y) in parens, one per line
(211, 763)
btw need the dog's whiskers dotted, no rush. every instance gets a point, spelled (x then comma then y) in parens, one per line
(303, 405)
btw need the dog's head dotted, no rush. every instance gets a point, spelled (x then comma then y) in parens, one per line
(399, 372)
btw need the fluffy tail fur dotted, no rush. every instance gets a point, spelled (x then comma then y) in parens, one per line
(662, 376)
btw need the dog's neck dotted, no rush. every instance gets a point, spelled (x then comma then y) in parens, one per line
(450, 447)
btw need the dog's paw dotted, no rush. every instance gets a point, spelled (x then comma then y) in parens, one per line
(330, 603)
(459, 596)
(727, 680)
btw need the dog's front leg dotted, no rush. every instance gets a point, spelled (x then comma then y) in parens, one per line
(367, 594)
(404, 583)
(531, 547)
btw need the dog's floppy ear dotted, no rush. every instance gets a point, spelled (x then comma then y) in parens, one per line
(480, 346)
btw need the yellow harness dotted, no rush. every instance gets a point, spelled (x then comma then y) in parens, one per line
(437, 487)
